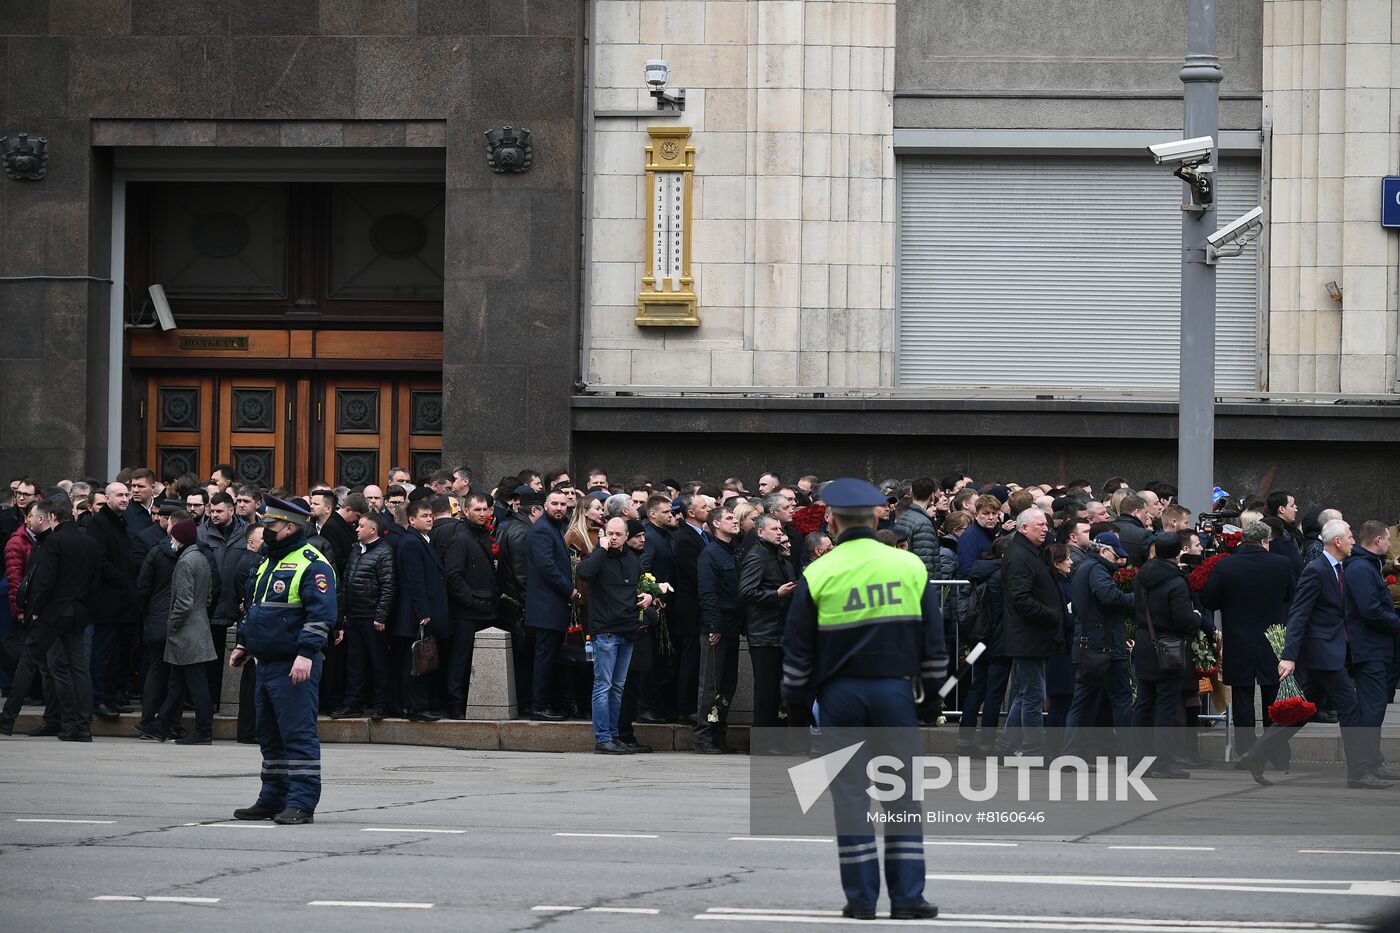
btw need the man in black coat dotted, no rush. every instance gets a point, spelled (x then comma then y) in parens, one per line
(114, 609)
(1134, 528)
(766, 584)
(1100, 610)
(687, 541)
(612, 571)
(1164, 607)
(1372, 629)
(24, 492)
(651, 686)
(225, 535)
(721, 624)
(1033, 630)
(67, 565)
(422, 604)
(464, 545)
(1251, 589)
(512, 570)
(549, 593)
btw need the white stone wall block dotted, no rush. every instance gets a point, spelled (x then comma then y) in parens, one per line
(1364, 291)
(1368, 111)
(867, 199)
(816, 23)
(619, 151)
(776, 329)
(816, 154)
(614, 283)
(610, 367)
(721, 327)
(623, 66)
(812, 369)
(864, 290)
(777, 285)
(780, 22)
(732, 367)
(727, 22)
(1363, 374)
(619, 22)
(778, 241)
(840, 67)
(815, 282)
(1331, 111)
(726, 110)
(1363, 332)
(1368, 21)
(816, 111)
(716, 241)
(1368, 154)
(1360, 202)
(708, 66)
(1283, 332)
(774, 368)
(724, 197)
(815, 239)
(668, 21)
(779, 197)
(672, 367)
(617, 195)
(816, 67)
(722, 153)
(617, 240)
(613, 327)
(779, 66)
(816, 198)
(778, 110)
(722, 284)
(778, 154)
(814, 333)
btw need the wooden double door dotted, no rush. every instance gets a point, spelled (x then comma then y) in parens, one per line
(281, 430)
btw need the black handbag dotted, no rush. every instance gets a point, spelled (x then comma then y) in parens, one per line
(1170, 649)
(1093, 665)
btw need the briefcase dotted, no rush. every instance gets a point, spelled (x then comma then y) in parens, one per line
(425, 652)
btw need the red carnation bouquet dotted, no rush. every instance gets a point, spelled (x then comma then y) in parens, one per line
(1293, 711)
(1198, 577)
(1123, 578)
(809, 518)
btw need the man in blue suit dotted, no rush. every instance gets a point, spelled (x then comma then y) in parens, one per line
(1372, 625)
(549, 593)
(422, 603)
(1316, 647)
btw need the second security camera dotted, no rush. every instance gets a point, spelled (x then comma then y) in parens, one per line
(1186, 151)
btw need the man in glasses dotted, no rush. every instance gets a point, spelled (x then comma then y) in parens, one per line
(23, 492)
(197, 504)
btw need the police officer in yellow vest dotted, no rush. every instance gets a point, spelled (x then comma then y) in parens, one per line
(291, 609)
(864, 632)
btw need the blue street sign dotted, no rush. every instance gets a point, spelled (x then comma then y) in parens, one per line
(1390, 201)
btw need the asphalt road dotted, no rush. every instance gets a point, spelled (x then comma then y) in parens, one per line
(123, 835)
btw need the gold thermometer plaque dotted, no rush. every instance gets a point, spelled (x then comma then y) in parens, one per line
(667, 298)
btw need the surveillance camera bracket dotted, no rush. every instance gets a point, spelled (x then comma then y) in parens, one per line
(673, 100)
(1197, 175)
(1215, 253)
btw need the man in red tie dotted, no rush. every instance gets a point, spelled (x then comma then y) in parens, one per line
(1317, 647)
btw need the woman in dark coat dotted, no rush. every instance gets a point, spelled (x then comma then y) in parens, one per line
(189, 645)
(1059, 668)
(1164, 595)
(153, 602)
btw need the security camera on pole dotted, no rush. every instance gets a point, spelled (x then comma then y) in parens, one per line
(1196, 160)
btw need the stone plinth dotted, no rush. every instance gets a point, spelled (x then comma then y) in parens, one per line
(492, 691)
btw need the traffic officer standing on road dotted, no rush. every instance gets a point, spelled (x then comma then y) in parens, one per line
(864, 631)
(291, 607)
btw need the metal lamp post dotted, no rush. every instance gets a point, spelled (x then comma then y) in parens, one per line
(1201, 75)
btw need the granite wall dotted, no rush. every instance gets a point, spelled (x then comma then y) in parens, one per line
(298, 73)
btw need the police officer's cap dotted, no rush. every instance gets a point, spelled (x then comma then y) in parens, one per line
(847, 493)
(280, 510)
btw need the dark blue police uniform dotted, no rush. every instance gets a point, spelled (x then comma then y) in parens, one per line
(291, 605)
(863, 624)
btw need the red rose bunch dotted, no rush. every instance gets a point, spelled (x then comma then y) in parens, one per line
(809, 518)
(1390, 579)
(1293, 711)
(1123, 578)
(1197, 578)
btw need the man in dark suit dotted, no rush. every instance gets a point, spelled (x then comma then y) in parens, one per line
(114, 610)
(1372, 627)
(421, 606)
(687, 541)
(67, 566)
(464, 545)
(650, 687)
(1316, 647)
(1251, 589)
(549, 592)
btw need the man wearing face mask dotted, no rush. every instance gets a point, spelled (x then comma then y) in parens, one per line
(291, 605)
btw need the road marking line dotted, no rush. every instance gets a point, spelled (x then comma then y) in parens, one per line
(949, 842)
(779, 839)
(246, 825)
(1132, 921)
(1168, 848)
(1248, 885)
(1347, 852)
(610, 835)
(375, 829)
(554, 908)
(100, 822)
(1023, 922)
(622, 910)
(157, 900)
(368, 904)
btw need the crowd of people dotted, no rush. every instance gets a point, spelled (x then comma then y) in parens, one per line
(627, 602)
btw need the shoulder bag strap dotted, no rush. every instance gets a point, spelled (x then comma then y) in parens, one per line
(1147, 610)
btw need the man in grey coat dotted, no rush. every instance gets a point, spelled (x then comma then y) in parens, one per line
(189, 646)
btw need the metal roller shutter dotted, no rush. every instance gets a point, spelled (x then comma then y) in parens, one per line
(1060, 273)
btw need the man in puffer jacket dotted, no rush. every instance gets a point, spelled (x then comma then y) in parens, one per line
(917, 522)
(18, 549)
(1161, 593)
(368, 603)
